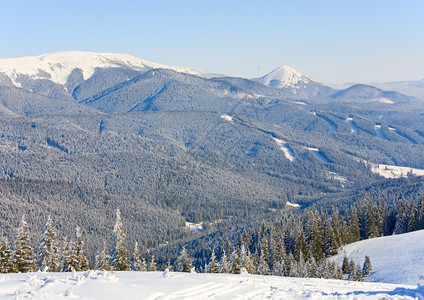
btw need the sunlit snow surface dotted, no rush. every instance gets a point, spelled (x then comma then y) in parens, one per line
(160, 285)
(46, 66)
(389, 171)
(394, 259)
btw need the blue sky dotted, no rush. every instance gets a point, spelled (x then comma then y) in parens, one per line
(331, 41)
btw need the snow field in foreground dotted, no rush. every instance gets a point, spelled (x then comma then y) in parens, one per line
(158, 285)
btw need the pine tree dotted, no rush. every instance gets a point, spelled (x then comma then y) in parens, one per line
(355, 230)
(152, 264)
(352, 268)
(312, 267)
(330, 239)
(185, 262)
(300, 243)
(224, 265)
(213, 266)
(49, 255)
(70, 259)
(371, 229)
(345, 265)
(263, 267)
(338, 274)
(413, 212)
(103, 259)
(234, 262)
(358, 273)
(6, 256)
(137, 263)
(367, 269)
(79, 252)
(382, 219)
(317, 243)
(402, 217)
(119, 254)
(23, 258)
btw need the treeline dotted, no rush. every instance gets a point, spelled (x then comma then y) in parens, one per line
(298, 245)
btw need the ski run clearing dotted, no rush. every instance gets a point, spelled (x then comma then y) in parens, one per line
(168, 285)
(288, 152)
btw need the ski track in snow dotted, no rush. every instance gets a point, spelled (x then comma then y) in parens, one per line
(318, 154)
(379, 132)
(170, 286)
(353, 128)
(288, 152)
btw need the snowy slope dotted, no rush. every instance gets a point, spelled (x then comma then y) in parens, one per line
(285, 77)
(156, 285)
(394, 259)
(59, 65)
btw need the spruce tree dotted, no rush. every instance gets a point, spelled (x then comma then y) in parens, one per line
(152, 264)
(234, 262)
(352, 268)
(367, 269)
(70, 259)
(185, 262)
(79, 251)
(224, 264)
(263, 267)
(346, 265)
(119, 254)
(371, 229)
(213, 266)
(330, 239)
(358, 273)
(103, 259)
(355, 229)
(49, 254)
(317, 243)
(23, 258)
(6, 256)
(137, 263)
(312, 268)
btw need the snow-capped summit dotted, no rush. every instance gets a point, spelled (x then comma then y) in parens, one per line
(58, 66)
(285, 77)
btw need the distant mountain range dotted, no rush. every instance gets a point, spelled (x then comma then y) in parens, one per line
(82, 134)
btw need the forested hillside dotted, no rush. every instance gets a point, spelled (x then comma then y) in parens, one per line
(169, 145)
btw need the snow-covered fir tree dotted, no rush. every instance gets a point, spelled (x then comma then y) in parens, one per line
(119, 254)
(137, 264)
(103, 259)
(346, 265)
(234, 262)
(6, 256)
(69, 260)
(49, 253)
(184, 262)
(152, 264)
(224, 264)
(263, 267)
(79, 251)
(367, 268)
(23, 256)
(213, 266)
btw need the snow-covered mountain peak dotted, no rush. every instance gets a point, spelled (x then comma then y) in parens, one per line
(58, 66)
(285, 77)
